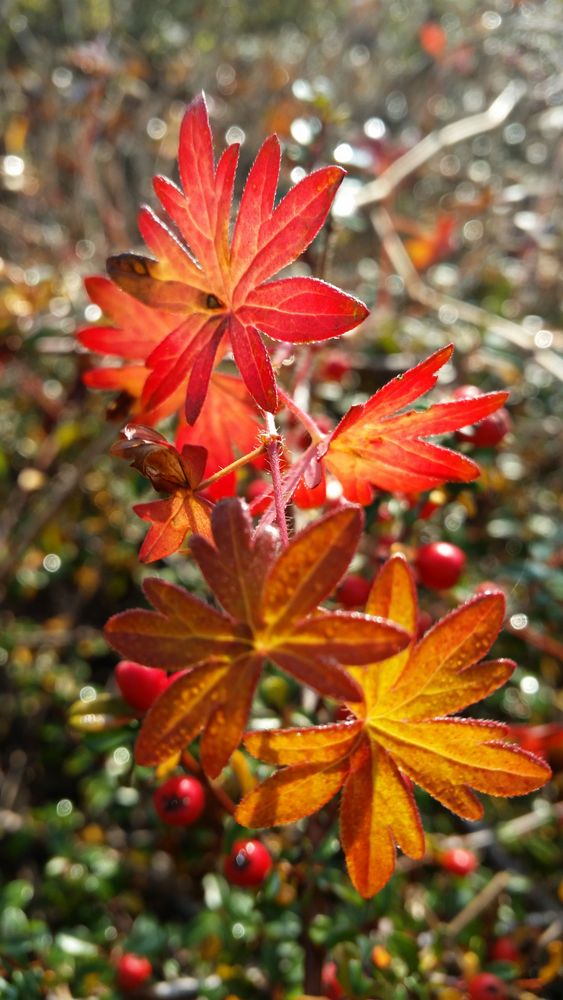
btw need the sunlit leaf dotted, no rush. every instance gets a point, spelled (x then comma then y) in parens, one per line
(374, 445)
(222, 296)
(262, 619)
(396, 734)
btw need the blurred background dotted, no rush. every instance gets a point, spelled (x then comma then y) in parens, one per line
(465, 246)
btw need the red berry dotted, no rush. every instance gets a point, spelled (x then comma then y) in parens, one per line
(248, 863)
(466, 392)
(344, 714)
(504, 950)
(531, 738)
(132, 971)
(353, 591)
(491, 430)
(433, 39)
(330, 983)
(440, 564)
(336, 365)
(485, 986)
(140, 685)
(306, 497)
(180, 800)
(459, 861)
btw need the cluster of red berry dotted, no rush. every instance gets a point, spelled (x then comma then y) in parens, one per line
(180, 800)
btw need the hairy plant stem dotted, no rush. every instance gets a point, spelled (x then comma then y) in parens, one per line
(273, 453)
(307, 421)
(237, 464)
(289, 484)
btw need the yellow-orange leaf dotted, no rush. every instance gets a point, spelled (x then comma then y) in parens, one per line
(262, 619)
(378, 810)
(180, 713)
(397, 735)
(292, 793)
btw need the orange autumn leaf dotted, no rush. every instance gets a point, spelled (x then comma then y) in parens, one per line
(184, 512)
(269, 602)
(132, 334)
(427, 247)
(375, 445)
(400, 733)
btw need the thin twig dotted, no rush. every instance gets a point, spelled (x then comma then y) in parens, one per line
(193, 766)
(237, 464)
(289, 484)
(545, 643)
(435, 142)
(307, 421)
(479, 903)
(418, 290)
(514, 829)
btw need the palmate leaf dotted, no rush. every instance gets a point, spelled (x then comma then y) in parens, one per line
(224, 297)
(184, 512)
(399, 734)
(375, 445)
(133, 334)
(229, 420)
(270, 611)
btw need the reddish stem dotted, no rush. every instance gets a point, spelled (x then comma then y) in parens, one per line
(307, 421)
(289, 484)
(273, 453)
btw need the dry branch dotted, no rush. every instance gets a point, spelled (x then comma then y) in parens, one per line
(418, 290)
(435, 142)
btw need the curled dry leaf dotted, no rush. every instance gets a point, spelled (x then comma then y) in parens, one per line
(400, 734)
(270, 611)
(184, 512)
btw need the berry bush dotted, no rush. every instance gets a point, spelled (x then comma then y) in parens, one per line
(331, 362)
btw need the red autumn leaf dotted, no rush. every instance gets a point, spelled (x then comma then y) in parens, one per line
(182, 513)
(229, 421)
(270, 611)
(224, 297)
(374, 445)
(399, 733)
